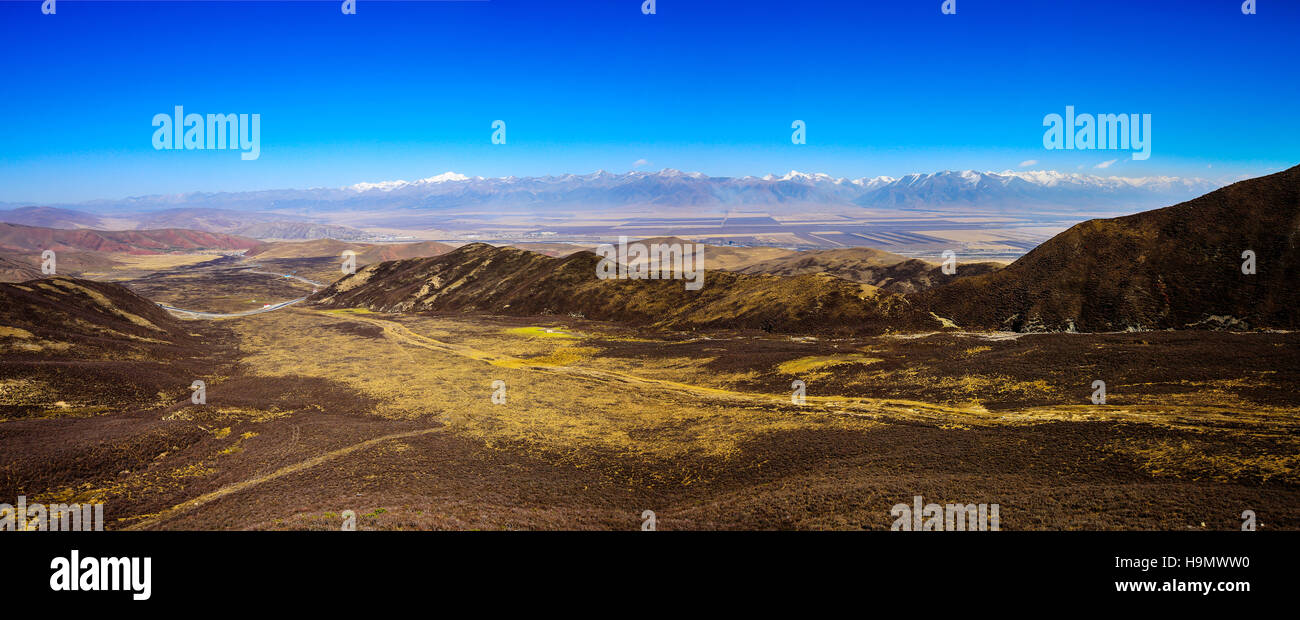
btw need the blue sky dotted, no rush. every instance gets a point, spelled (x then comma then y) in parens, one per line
(410, 89)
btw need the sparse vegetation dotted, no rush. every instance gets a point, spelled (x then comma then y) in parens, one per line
(379, 402)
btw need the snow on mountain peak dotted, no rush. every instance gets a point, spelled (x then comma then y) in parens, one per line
(391, 185)
(444, 177)
(1010, 186)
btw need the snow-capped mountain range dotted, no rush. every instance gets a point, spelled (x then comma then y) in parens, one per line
(1037, 188)
(1040, 189)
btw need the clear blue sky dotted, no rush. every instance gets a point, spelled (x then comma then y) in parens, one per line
(410, 89)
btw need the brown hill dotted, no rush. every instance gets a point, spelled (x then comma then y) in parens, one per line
(79, 347)
(84, 312)
(332, 248)
(724, 257)
(21, 266)
(396, 251)
(19, 238)
(482, 278)
(878, 268)
(50, 217)
(15, 269)
(1174, 267)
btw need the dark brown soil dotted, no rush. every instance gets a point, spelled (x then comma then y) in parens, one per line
(1134, 365)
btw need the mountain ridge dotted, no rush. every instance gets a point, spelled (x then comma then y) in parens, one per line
(20, 238)
(884, 270)
(481, 278)
(1173, 267)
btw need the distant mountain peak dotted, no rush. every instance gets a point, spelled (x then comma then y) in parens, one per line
(391, 185)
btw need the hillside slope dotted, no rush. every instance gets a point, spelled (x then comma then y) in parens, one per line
(50, 217)
(506, 280)
(84, 314)
(71, 347)
(19, 238)
(15, 269)
(1180, 266)
(878, 268)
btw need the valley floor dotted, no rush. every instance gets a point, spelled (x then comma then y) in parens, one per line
(316, 412)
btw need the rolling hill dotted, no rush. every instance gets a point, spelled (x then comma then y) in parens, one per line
(84, 312)
(878, 268)
(50, 217)
(83, 348)
(505, 280)
(19, 238)
(1176, 267)
(726, 257)
(255, 224)
(15, 269)
(18, 266)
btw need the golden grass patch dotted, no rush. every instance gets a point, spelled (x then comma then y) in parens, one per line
(563, 356)
(14, 332)
(540, 332)
(104, 302)
(223, 415)
(817, 362)
(561, 416)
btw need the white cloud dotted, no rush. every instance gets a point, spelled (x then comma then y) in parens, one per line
(1106, 164)
(1029, 162)
(639, 163)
